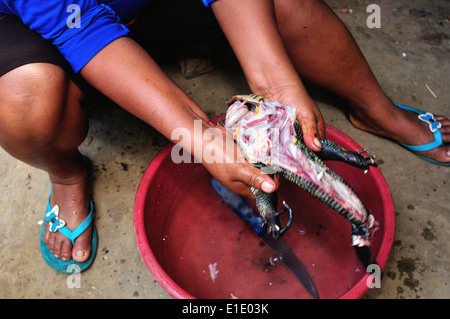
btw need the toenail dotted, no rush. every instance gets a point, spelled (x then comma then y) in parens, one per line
(64, 259)
(80, 253)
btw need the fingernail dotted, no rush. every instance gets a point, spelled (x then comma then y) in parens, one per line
(317, 142)
(267, 187)
(80, 253)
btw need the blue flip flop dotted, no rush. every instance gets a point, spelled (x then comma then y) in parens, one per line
(434, 127)
(57, 224)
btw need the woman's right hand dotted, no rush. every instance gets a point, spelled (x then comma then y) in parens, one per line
(223, 159)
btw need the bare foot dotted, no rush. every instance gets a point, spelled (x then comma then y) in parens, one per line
(73, 198)
(402, 126)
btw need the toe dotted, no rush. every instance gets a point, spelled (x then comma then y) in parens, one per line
(66, 250)
(57, 247)
(445, 131)
(444, 154)
(443, 119)
(82, 247)
(49, 239)
(441, 154)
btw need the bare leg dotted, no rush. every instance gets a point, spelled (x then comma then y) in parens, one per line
(324, 52)
(43, 123)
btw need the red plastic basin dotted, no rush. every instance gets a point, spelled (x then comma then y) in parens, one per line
(197, 247)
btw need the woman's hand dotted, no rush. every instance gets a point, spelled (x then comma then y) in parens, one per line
(308, 114)
(251, 28)
(223, 159)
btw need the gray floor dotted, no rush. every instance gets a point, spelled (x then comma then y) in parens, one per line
(409, 55)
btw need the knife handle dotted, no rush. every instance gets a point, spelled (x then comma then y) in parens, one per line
(240, 206)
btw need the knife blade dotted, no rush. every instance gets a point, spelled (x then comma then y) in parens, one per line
(279, 246)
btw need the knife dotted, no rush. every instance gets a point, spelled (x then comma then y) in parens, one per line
(279, 246)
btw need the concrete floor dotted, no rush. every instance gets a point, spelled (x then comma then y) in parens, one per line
(409, 53)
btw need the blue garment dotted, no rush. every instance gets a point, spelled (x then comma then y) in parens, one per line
(207, 2)
(78, 37)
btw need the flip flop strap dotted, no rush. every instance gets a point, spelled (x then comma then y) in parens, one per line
(408, 108)
(73, 234)
(425, 147)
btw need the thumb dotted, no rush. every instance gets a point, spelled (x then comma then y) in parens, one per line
(312, 129)
(256, 178)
